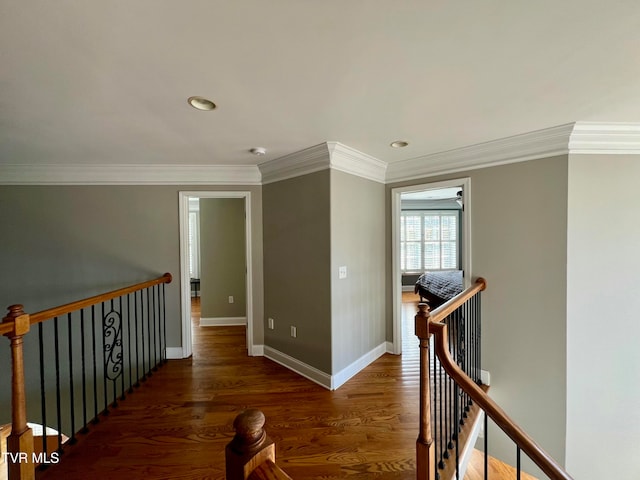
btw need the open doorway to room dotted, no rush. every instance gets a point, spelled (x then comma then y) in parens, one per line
(215, 263)
(431, 234)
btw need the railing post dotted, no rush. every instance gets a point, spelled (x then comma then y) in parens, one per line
(425, 448)
(20, 441)
(250, 446)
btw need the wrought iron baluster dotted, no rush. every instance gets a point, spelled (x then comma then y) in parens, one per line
(104, 365)
(96, 418)
(129, 340)
(122, 394)
(57, 364)
(518, 462)
(150, 373)
(144, 370)
(137, 342)
(112, 335)
(486, 446)
(164, 323)
(155, 340)
(72, 408)
(84, 374)
(43, 396)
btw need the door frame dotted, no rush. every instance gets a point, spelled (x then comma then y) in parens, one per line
(185, 281)
(396, 210)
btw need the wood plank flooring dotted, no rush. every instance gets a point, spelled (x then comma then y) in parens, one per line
(176, 425)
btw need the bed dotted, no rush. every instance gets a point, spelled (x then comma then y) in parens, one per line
(438, 287)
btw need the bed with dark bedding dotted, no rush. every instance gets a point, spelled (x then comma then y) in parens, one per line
(437, 288)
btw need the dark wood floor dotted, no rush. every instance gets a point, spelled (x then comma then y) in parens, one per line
(176, 425)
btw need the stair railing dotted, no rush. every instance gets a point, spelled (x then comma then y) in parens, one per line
(108, 344)
(458, 316)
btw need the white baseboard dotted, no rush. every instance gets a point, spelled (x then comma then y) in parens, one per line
(330, 382)
(174, 353)
(408, 288)
(390, 348)
(223, 321)
(317, 376)
(346, 373)
(257, 351)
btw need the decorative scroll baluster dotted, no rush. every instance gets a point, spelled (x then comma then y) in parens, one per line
(112, 337)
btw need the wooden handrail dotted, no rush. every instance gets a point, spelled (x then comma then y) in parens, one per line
(444, 310)
(87, 302)
(428, 323)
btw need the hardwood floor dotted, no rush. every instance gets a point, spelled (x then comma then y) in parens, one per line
(176, 425)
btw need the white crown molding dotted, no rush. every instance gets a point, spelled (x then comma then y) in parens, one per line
(350, 160)
(328, 155)
(309, 160)
(605, 138)
(572, 138)
(518, 148)
(129, 175)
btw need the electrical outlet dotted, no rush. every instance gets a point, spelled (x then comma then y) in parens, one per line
(294, 331)
(270, 323)
(230, 298)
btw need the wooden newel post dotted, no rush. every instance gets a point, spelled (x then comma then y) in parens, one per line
(20, 442)
(250, 447)
(425, 449)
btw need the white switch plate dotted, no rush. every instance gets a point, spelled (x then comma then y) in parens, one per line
(271, 324)
(342, 272)
(294, 331)
(230, 298)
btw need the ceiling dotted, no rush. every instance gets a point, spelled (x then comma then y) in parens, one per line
(94, 83)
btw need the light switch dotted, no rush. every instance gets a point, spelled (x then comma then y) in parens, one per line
(342, 272)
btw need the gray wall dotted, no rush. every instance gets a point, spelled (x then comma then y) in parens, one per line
(519, 219)
(297, 267)
(357, 242)
(222, 257)
(603, 327)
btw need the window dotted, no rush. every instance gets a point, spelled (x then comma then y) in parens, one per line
(429, 240)
(194, 244)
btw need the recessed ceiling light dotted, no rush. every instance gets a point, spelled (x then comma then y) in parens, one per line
(258, 151)
(399, 144)
(201, 103)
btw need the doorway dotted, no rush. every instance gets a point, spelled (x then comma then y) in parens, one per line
(441, 198)
(186, 258)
